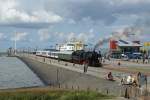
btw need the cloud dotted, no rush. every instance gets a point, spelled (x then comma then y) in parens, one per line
(19, 36)
(48, 35)
(129, 1)
(143, 21)
(85, 37)
(103, 11)
(11, 15)
(91, 30)
(44, 35)
(26, 25)
(3, 37)
(22, 13)
(71, 21)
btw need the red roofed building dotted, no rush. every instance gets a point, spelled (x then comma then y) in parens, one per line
(121, 47)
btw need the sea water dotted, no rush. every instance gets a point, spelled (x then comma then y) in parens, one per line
(15, 74)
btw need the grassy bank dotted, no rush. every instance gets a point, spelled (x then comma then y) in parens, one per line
(52, 95)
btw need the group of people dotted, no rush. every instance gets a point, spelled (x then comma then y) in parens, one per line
(128, 80)
(135, 80)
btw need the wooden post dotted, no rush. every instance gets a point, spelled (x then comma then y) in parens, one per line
(59, 85)
(78, 88)
(72, 87)
(57, 76)
(88, 89)
(107, 91)
(96, 89)
(146, 85)
(126, 93)
(66, 86)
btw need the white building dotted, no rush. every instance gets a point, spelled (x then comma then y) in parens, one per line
(71, 46)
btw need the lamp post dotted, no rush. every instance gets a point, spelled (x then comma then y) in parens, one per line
(15, 42)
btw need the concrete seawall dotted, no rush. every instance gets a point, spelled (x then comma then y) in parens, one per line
(53, 75)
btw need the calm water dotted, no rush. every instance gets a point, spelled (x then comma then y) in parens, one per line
(15, 74)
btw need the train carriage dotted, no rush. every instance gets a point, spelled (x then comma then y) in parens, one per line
(67, 56)
(38, 53)
(54, 54)
(79, 56)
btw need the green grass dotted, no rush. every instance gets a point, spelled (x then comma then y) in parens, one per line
(53, 95)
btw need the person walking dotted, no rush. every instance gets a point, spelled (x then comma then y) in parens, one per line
(85, 66)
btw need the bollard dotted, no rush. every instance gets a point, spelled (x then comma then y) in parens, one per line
(137, 61)
(66, 64)
(73, 64)
(44, 59)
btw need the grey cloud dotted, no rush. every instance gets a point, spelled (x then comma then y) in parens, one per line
(26, 25)
(16, 14)
(133, 8)
(97, 10)
(143, 21)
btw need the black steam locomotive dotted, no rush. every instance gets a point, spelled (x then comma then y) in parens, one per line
(92, 58)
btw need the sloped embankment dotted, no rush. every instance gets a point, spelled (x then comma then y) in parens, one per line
(56, 76)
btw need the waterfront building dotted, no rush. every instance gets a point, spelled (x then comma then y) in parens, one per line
(146, 47)
(118, 47)
(71, 46)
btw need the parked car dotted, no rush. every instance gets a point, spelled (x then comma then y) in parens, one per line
(149, 57)
(137, 55)
(124, 57)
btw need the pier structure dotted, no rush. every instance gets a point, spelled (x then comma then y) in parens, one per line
(67, 75)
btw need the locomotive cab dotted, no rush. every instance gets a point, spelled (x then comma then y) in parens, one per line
(93, 59)
(90, 57)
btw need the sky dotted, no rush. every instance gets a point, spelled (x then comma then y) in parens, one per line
(43, 23)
